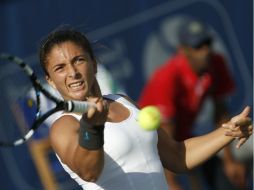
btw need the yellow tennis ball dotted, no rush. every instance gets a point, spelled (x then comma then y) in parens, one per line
(149, 118)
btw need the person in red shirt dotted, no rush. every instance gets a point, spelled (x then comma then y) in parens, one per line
(181, 86)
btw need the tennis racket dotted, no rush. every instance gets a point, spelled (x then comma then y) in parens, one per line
(20, 102)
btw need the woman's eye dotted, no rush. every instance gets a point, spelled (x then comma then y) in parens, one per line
(81, 60)
(58, 69)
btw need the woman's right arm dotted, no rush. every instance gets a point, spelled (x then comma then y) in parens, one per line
(83, 156)
(64, 137)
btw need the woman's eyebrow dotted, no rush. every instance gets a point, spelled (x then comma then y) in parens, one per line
(74, 59)
(57, 65)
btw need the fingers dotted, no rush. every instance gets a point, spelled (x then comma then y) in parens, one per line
(239, 132)
(243, 114)
(91, 111)
(97, 101)
(97, 115)
(234, 128)
(243, 121)
(241, 142)
(239, 127)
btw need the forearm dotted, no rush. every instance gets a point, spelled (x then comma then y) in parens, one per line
(222, 117)
(89, 155)
(88, 161)
(200, 149)
(183, 156)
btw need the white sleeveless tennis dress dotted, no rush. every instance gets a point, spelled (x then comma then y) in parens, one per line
(131, 156)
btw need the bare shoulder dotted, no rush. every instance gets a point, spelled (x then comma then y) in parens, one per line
(62, 125)
(63, 134)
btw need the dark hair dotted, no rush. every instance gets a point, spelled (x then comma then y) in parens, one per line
(59, 36)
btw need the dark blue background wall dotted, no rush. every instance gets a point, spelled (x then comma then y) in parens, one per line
(135, 39)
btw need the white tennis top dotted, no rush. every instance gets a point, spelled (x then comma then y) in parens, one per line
(131, 156)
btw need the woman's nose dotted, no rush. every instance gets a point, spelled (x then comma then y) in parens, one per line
(72, 71)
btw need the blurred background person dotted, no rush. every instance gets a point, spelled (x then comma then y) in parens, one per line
(192, 88)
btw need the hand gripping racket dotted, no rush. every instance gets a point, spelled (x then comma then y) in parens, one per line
(16, 80)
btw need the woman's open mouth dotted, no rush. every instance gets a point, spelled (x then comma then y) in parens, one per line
(76, 85)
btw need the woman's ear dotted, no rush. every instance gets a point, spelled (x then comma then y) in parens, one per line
(50, 82)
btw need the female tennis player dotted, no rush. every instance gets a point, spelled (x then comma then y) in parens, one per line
(105, 148)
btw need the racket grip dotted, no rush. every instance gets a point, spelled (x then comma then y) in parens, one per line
(78, 106)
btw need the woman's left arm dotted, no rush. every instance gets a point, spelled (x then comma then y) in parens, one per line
(183, 156)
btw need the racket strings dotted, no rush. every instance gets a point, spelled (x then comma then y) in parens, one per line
(19, 100)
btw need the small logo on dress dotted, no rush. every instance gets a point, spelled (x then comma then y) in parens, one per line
(86, 136)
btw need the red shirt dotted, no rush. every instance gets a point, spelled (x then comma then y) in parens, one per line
(179, 92)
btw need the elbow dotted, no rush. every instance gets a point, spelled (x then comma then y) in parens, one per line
(89, 176)
(89, 172)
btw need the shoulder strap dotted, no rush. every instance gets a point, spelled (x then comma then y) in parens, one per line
(120, 98)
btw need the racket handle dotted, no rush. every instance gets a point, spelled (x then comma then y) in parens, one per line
(78, 106)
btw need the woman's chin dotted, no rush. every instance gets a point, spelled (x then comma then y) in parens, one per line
(79, 96)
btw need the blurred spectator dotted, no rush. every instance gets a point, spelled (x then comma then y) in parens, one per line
(195, 80)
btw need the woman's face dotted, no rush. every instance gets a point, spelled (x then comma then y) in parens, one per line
(71, 70)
